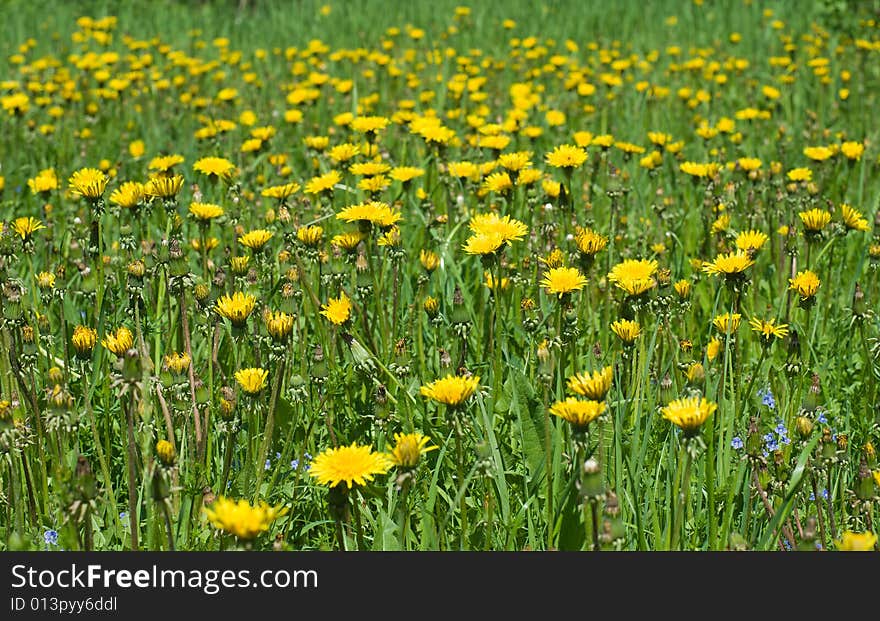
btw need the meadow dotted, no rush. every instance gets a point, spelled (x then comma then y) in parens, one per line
(439, 276)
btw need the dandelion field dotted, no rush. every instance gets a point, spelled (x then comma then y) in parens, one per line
(503, 276)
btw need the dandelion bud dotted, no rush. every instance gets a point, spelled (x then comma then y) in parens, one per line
(165, 452)
(864, 482)
(804, 427)
(131, 366)
(136, 269)
(592, 487)
(84, 340)
(227, 408)
(202, 291)
(431, 306)
(859, 307)
(27, 334)
(56, 375)
(812, 400)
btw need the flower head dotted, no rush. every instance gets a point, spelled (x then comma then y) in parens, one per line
(164, 187)
(452, 390)
(626, 330)
(337, 310)
(255, 240)
(352, 465)
(128, 195)
(728, 322)
(375, 213)
(578, 412)
(205, 212)
(815, 219)
(853, 219)
(634, 276)
(89, 183)
(279, 325)
(236, 308)
(409, 448)
(729, 265)
(589, 242)
(483, 243)
(240, 518)
(593, 385)
(84, 339)
(252, 380)
(857, 542)
(323, 183)
(768, 329)
(566, 156)
(806, 283)
(26, 227)
(118, 342)
(748, 241)
(563, 280)
(217, 167)
(688, 414)
(492, 224)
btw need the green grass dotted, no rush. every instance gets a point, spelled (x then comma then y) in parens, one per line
(506, 475)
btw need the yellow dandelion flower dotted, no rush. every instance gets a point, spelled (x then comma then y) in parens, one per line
(84, 340)
(236, 308)
(800, 174)
(352, 465)
(280, 192)
(751, 240)
(118, 342)
(484, 243)
(337, 310)
(279, 325)
(688, 414)
(164, 187)
(374, 212)
(128, 195)
(26, 227)
(217, 167)
(452, 390)
(634, 276)
(563, 280)
(806, 283)
(768, 329)
(566, 156)
(729, 265)
(728, 322)
(626, 330)
(593, 385)
(311, 235)
(580, 413)
(255, 240)
(252, 380)
(323, 183)
(240, 518)
(409, 448)
(857, 542)
(853, 219)
(815, 219)
(205, 212)
(89, 183)
(589, 242)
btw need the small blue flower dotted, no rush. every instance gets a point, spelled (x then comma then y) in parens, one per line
(51, 537)
(736, 443)
(824, 494)
(781, 430)
(294, 464)
(268, 463)
(822, 418)
(767, 398)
